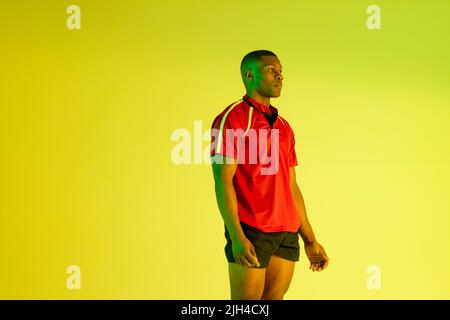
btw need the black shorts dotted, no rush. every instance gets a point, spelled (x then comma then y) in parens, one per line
(281, 244)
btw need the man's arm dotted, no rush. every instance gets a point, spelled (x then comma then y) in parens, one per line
(224, 170)
(305, 229)
(313, 249)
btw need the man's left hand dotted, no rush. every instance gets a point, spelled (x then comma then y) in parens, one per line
(317, 256)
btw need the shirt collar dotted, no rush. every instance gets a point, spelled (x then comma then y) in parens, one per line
(261, 107)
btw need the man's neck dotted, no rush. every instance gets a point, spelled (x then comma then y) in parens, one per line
(257, 97)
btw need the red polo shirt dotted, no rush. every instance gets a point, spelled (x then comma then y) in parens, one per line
(264, 155)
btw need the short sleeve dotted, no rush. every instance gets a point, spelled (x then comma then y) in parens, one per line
(224, 136)
(292, 155)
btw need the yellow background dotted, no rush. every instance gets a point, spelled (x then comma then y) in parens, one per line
(86, 122)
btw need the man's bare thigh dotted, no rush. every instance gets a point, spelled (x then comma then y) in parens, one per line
(246, 283)
(278, 278)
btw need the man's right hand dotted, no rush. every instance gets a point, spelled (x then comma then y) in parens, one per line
(244, 252)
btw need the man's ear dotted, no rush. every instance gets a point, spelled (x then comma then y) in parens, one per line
(249, 75)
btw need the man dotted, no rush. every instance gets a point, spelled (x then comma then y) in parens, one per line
(257, 194)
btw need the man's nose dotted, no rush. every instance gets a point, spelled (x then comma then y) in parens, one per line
(279, 76)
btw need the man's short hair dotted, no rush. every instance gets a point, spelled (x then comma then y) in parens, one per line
(255, 56)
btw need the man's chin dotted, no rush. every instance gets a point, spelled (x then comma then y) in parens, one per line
(276, 94)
